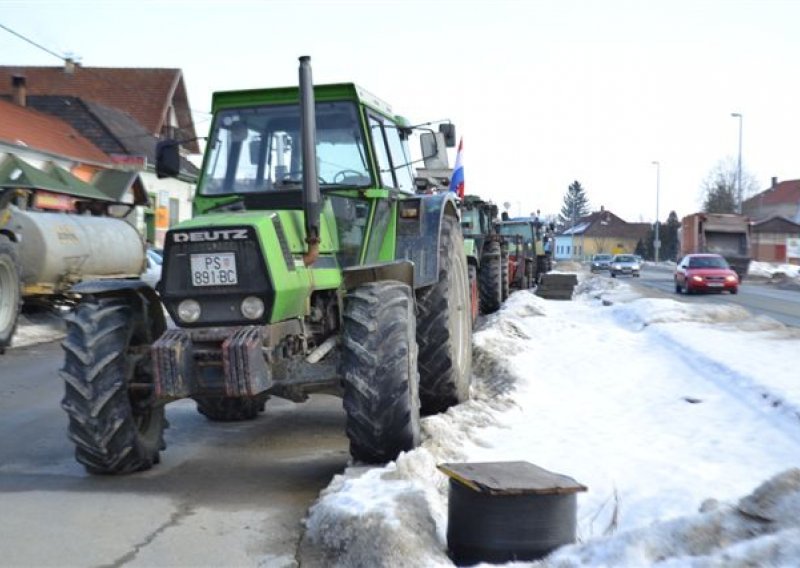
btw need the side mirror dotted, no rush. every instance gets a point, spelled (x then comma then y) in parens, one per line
(448, 129)
(168, 159)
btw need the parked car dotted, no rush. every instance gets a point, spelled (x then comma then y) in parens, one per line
(625, 264)
(152, 274)
(601, 262)
(705, 273)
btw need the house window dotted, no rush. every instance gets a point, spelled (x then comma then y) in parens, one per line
(174, 209)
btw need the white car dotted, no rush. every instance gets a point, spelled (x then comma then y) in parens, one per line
(625, 264)
(152, 274)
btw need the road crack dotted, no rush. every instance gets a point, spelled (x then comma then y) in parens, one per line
(183, 511)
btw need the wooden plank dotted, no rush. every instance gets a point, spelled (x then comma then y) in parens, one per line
(510, 478)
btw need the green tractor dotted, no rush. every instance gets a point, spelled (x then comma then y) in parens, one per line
(487, 252)
(310, 266)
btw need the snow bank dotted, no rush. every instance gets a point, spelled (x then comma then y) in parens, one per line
(762, 529)
(655, 405)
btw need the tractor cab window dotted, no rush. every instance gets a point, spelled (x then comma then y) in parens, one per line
(392, 153)
(351, 223)
(521, 230)
(471, 221)
(258, 149)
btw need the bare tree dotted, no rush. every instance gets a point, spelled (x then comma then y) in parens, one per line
(719, 188)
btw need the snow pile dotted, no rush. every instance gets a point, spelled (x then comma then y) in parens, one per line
(768, 269)
(656, 405)
(763, 529)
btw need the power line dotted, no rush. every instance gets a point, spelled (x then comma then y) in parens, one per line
(30, 41)
(63, 58)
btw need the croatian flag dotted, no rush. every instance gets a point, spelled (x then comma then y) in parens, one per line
(457, 181)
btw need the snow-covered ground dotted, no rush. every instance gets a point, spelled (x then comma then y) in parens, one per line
(670, 413)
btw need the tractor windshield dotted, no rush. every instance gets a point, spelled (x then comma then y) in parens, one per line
(258, 149)
(516, 230)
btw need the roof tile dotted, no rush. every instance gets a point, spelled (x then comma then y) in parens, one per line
(24, 126)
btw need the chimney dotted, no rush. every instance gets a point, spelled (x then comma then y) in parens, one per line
(774, 183)
(602, 208)
(69, 66)
(19, 91)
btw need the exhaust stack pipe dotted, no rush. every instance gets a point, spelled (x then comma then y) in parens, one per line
(311, 194)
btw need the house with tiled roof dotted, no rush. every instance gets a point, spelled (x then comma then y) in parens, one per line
(770, 240)
(41, 137)
(156, 98)
(775, 215)
(599, 232)
(122, 112)
(781, 199)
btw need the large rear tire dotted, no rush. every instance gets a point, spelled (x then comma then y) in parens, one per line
(116, 427)
(227, 409)
(473, 293)
(378, 366)
(490, 278)
(444, 327)
(10, 296)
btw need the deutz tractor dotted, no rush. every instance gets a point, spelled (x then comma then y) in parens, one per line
(310, 266)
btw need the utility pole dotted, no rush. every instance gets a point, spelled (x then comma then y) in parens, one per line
(739, 166)
(656, 240)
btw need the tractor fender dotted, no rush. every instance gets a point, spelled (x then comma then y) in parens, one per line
(141, 291)
(419, 228)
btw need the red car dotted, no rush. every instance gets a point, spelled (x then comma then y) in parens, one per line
(705, 273)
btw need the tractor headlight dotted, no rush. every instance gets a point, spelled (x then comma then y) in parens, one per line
(252, 307)
(189, 311)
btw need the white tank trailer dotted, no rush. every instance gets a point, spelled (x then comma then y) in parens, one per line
(60, 249)
(43, 254)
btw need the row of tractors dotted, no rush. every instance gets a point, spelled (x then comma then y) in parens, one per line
(503, 254)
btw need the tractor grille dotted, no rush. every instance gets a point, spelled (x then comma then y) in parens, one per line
(218, 291)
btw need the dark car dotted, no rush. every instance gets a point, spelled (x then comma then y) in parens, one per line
(625, 264)
(705, 273)
(601, 262)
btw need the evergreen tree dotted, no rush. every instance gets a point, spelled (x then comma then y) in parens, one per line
(669, 241)
(720, 198)
(641, 250)
(576, 205)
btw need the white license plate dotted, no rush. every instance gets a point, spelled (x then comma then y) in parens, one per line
(714, 285)
(216, 269)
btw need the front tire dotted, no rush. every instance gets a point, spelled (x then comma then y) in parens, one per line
(378, 366)
(444, 327)
(116, 427)
(490, 278)
(10, 296)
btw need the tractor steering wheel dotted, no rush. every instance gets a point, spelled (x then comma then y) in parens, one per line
(344, 173)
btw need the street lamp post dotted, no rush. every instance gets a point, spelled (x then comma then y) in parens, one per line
(656, 240)
(739, 166)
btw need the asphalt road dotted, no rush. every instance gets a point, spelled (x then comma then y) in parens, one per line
(758, 297)
(228, 494)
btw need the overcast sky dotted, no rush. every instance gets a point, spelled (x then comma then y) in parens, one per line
(543, 92)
